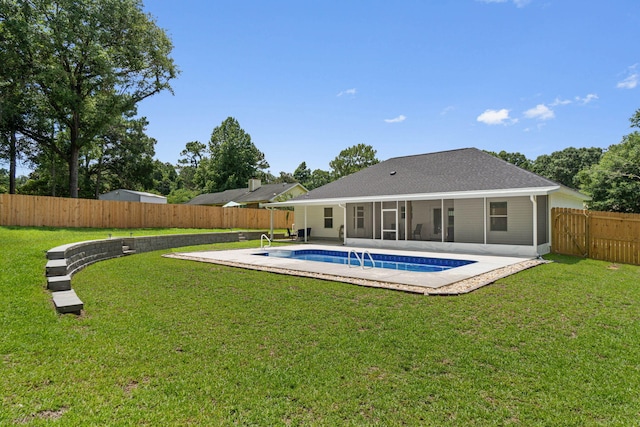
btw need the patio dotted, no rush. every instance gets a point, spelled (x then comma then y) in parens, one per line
(484, 271)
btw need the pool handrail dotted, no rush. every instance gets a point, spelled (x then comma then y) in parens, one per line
(360, 259)
(357, 257)
(373, 263)
(264, 236)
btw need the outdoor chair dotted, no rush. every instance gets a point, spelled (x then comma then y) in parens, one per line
(302, 233)
(292, 234)
(417, 233)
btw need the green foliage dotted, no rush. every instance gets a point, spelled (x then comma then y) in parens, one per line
(302, 174)
(563, 166)
(165, 177)
(91, 62)
(4, 180)
(517, 159)
(614, 183)
(318, 178)
(353, 159)
(180, 195)
(234, 158)
(170, 342)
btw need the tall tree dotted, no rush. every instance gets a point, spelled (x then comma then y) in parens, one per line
(614, 183)
(302, 174)
(234, 158)
(516, 158)
(15, 91)
(121, 158)
(189, 162)
(91, 62)
(563, 166)
(353, 159)
(318, 178)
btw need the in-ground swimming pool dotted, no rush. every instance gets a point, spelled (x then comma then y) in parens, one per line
(370, 260)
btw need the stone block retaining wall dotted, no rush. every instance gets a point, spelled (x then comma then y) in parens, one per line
(66, 260)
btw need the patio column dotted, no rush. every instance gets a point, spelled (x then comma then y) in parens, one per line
(306, 235)
(485, 220)
(442, 224)
(271, 224)
(534, 202)
(344, 222)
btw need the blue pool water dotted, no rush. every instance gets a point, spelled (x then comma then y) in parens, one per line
(394, 262)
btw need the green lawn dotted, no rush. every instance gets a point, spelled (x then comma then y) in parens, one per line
(172, 342)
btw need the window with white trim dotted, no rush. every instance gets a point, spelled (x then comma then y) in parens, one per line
(498, 216)
(328, 217)
(358, 216)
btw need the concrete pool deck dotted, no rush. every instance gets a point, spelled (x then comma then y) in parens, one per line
(485, 270)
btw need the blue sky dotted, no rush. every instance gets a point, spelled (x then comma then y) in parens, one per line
(307, 79)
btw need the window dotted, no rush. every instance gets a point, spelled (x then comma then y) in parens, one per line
(358, 216)
(498, 216)
(328, 217)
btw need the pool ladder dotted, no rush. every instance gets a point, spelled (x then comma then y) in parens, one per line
(360, 259)
(262, 238)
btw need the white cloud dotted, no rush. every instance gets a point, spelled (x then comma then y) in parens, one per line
(348, 92)
(496, 117)
(518, 3)
(400, 118)
(447, 110)
(541, 112)
(630, 82)
(521, 3)
(632, 79)
(587, 99)
(559, 101)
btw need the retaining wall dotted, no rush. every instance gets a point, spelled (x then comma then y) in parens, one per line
(64, 261)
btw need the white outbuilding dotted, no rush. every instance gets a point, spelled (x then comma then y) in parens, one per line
(122, 195)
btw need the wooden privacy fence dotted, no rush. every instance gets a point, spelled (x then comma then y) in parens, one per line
(607, 236)
(76, 213)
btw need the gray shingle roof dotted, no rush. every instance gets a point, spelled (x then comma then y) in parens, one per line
(467, 169)
(265, 193)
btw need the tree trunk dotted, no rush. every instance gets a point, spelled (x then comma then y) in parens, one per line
(74, 155)
(13, 153)
(73, 172)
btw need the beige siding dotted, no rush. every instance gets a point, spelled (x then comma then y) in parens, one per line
(315, 220)
(519, 222)
(469, 217)
(557, 200)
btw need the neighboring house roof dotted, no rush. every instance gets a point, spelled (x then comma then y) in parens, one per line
(264, 194)
(467, 171)
(139, 193)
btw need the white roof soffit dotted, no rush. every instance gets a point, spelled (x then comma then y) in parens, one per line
(509, 192)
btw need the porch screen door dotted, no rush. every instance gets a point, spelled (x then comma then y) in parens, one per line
(389, 224)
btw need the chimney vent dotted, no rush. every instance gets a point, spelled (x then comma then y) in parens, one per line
(254, 184)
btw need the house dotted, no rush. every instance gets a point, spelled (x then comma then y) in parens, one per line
(456, 201)
(123, 195)
(251, 196)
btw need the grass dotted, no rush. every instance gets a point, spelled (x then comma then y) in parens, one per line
(172, 342)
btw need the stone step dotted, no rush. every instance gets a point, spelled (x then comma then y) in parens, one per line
(67, 302)
(126, 250)
(56, 267)
(59, 283)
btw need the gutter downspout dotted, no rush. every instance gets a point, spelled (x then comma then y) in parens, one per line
(534, 201)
